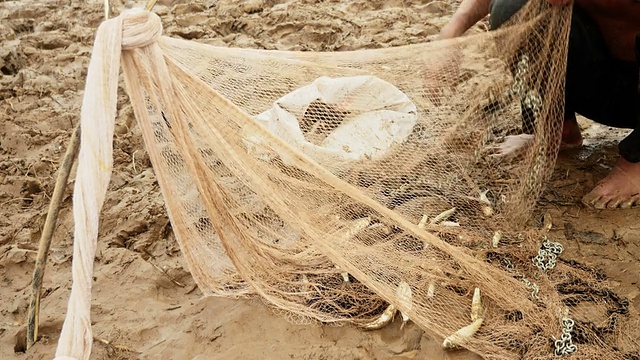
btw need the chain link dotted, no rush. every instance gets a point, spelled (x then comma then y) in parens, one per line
(533, 101)
(564, 345)
(518, 88)
(535, 289)
(546, 260)
(547, 255)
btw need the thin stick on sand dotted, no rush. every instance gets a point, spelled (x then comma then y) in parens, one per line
(47, 235)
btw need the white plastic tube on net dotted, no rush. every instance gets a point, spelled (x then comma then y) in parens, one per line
(133, 29)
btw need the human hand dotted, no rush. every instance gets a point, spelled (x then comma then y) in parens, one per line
(512, 146)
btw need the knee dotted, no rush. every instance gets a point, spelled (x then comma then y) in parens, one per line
(502, 10)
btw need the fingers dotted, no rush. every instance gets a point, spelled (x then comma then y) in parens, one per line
(513, 145)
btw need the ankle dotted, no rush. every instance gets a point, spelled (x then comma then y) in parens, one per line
(571, 131)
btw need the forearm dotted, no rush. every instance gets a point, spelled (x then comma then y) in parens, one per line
(467, 15)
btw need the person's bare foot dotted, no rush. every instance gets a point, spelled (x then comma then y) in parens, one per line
(571, 134)
(620, 189)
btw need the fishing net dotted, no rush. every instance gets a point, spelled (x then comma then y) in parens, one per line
(343, 187)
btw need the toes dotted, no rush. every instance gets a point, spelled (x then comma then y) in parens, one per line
(627, 204)
(591, 198)
(602, 203)
(614, 203)
(635, 200)
(599, 201)
(607, 202)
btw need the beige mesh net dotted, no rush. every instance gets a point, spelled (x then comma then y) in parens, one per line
(341, 187)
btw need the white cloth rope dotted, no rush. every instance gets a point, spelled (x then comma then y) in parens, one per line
(134, 28)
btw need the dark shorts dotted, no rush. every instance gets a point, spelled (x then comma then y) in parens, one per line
(598, 87)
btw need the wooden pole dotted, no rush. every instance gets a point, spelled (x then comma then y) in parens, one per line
(47, 235)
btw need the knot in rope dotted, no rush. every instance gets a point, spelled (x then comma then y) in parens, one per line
(140, 28)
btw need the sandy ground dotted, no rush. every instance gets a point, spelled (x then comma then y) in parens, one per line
(145, 303)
